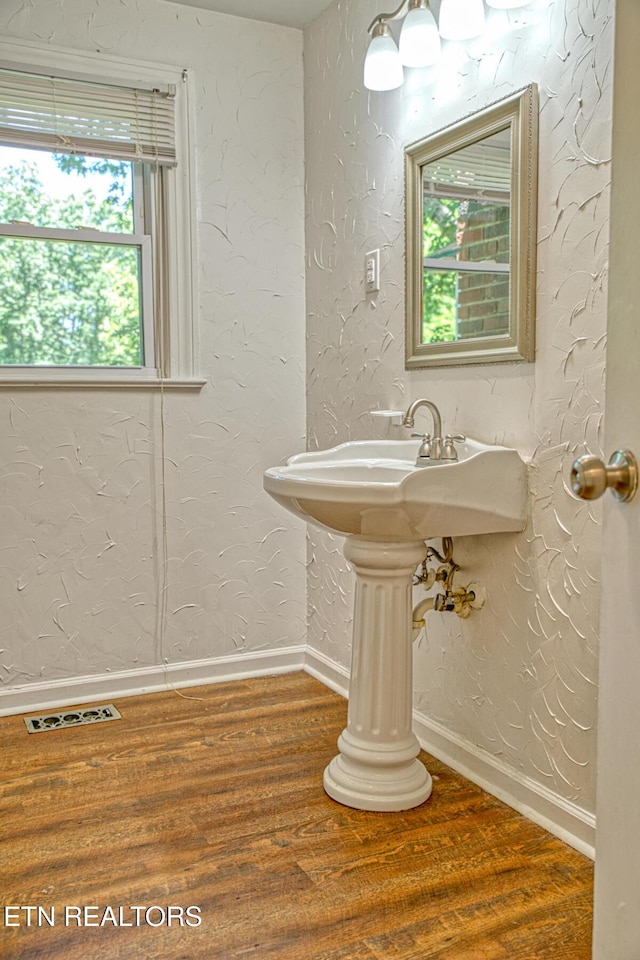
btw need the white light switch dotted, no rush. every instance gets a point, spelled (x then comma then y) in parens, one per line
(372, 271)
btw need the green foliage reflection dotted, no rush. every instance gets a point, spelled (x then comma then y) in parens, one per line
(439, 226)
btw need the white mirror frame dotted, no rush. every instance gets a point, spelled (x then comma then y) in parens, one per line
(519, 112)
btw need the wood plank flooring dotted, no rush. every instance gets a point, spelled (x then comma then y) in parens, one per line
(217, 803)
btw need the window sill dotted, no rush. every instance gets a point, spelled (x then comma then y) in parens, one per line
(97, 381)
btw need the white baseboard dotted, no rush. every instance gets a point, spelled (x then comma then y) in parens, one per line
(128, 683)
(327, 671)
(563, 819)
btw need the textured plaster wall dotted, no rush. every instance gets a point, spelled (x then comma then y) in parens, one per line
(83, 585)
(518, 679)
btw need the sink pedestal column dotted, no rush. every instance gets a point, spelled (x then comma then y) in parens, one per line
(377, 768)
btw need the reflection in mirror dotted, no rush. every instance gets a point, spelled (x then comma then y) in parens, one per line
(470, 239)
(466, 199)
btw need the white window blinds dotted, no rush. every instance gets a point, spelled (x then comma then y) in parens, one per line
(481, 170)
(94, 119)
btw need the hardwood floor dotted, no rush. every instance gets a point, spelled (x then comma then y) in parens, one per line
(218, 804)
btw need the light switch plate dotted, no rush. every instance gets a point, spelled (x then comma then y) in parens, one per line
(372, 271)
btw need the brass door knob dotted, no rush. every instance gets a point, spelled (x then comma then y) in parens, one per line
(590, 477)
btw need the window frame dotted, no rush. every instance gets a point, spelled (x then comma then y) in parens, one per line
(174, 324)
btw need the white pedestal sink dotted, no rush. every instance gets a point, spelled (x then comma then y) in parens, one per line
(372, 493)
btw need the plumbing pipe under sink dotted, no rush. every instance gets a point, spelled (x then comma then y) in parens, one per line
(419, 613)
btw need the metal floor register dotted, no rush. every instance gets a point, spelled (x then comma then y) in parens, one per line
(71, 717)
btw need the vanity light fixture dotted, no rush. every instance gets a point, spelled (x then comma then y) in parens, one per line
(420, 36)
(382, 65)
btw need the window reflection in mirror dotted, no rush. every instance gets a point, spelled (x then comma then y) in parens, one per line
(465, 287)
(470, 239)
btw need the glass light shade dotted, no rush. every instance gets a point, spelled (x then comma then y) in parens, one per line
(461, 19)
(419, 39)
(382, 66)
(507, 4)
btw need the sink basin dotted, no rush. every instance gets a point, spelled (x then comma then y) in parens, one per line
(374, 490)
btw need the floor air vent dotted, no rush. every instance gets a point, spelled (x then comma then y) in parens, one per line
(71, 718)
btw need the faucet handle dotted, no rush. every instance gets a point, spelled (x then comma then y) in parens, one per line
(425, 447)
(449, 451)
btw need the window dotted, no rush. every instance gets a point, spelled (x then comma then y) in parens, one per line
(95, 234)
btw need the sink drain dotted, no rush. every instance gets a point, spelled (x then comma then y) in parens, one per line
(71, 718)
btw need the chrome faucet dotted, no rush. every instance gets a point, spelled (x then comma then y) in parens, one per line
(431, 447)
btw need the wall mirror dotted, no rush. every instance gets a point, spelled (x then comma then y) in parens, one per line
(471, 198)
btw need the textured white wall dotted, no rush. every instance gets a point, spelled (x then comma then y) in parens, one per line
(518, 679)
(80, 471)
